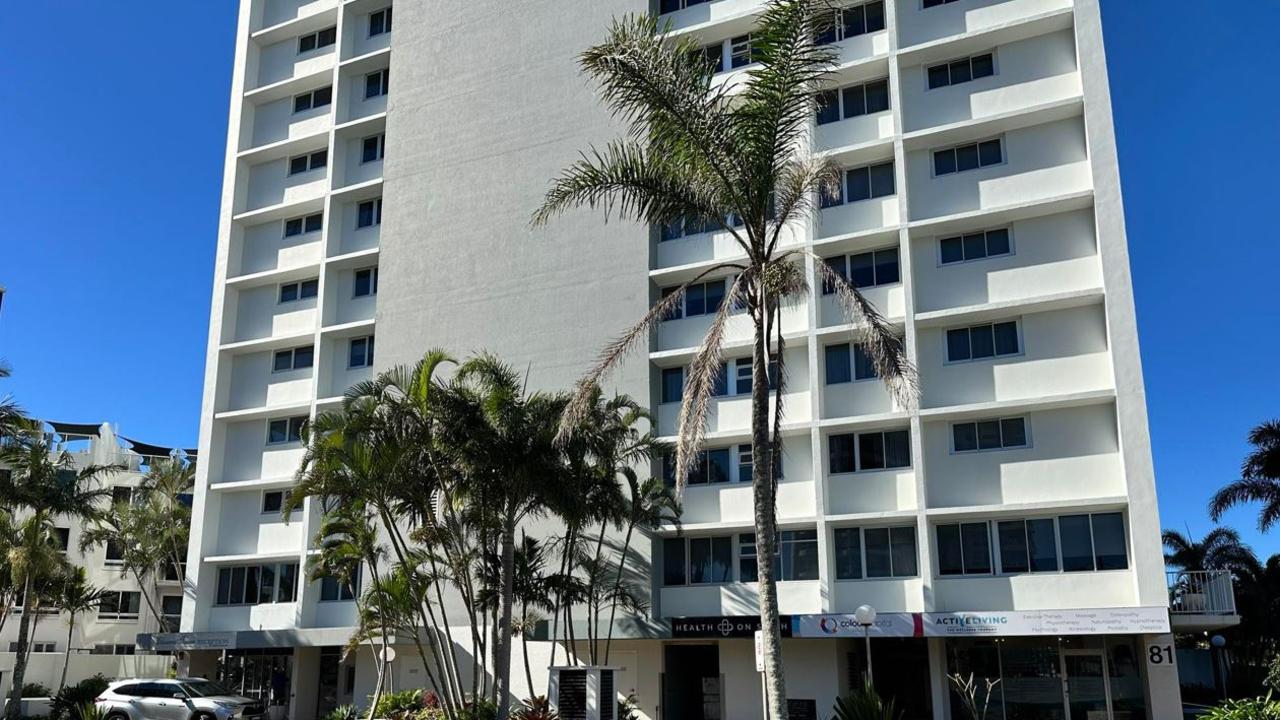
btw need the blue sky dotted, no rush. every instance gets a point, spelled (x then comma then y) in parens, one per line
(111, 190)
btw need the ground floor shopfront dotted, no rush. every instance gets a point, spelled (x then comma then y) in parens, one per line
(705, 668)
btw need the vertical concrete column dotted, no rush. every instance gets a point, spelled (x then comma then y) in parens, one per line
(1160, 670)
(938, 683)
(304, 686)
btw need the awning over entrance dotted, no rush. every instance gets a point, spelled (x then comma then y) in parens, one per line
(245, 639)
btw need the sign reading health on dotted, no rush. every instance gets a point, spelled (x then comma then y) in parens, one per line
(1101, 621)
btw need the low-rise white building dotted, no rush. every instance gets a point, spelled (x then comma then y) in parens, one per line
(103, 640)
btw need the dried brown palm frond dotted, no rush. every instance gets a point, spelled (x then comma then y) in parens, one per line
(700, 380)
(877, 335)
(801, 181)
(581, 402)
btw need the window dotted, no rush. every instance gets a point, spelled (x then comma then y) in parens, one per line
(61, 538)
(746, 465)
(114, 554)
(36, 647)
(961, 71)
(666, 6)
(360, 353)
(862, 183)
(285, 430)
(373, 148)
(712, 55)
(797, 555)
(295, 359)
(673, 561)
(672, 385)
(864, 270)
(307, 163)
(740, 51)
(120, 605)
(934, 3)
(366, 282)
(377, 83)
(369, 213)
(853, 21)
(710, 560)
(844, 366)
(1027, 546)
(334, 590)
(300, 225)
(318, 39)
(686, 226)
(889, 552)
(870, 451)
(748, 568)
(380, 22)
(257, 584)
(974, 246)
(964, 549)
(171, 612)
(699, 299)
(272, 501)
(302, 290)
(1093, 542)
(967, 157)
(983, 341)
(121, 495)
(709, 468)
(311, 100)
(989, 434)
(842, 104)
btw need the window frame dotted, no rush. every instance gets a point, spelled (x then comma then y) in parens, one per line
(293, 359)
(383, 76)
(977, 148)
(310, 158)
(857, 451)
(1008, 229)
(386, 22)
(380, 141)
(319, 35)
(372, 270)
(311, 99)
(117, 615)
(946, 350)
(851, 349)
(863, 576)
(279, 499)
(300, 285)
(279, 575)
(289, 429)
(305, 221)
(839, 35)
(375, 209)
(844, 270)
(995, 67)
(1026, 431)
(367, 353)
(993, 559)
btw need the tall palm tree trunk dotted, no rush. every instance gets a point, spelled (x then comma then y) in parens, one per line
(524, 646)
(765, 522)
(66, 655)
(502, 647)
(617, 587)
(13, 711)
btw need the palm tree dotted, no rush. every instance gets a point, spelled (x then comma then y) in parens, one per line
(41, 484)
(1259, 478)
(76, 596)
(728, 156)
(163, 491)
(138, 535)
(650, 505)
(1220, 549)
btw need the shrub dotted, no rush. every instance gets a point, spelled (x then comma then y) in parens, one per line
(342, 712)
(68, 702)
(864, 704)
(1263, 708)
(629, 708)
(482, 709)
(538, 708)
(36, 690)
(398, 704)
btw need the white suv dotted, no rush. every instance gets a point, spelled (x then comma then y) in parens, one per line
(175, 699)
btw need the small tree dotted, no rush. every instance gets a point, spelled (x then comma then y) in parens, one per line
(967, 688)
(76, 597)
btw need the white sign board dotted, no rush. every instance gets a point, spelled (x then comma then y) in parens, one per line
(1101, 621)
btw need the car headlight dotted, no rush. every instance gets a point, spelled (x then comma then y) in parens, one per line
(231, 707)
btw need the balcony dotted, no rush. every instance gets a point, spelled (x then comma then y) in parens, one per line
(1201, 600)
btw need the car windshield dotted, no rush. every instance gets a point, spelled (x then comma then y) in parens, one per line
(204, 688)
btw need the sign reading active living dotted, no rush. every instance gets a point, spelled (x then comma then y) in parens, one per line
(1101, 621)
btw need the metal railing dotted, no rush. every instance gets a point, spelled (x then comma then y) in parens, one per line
(1201, 592)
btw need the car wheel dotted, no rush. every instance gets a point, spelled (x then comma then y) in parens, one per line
(115, 716)
(203, 716)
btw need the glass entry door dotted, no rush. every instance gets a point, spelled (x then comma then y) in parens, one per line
(1088, 696)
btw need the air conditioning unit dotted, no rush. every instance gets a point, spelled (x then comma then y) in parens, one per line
(585, 692)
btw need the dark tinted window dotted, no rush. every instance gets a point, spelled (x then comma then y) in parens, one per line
(841, 450)
(673, 561)
(672, 384)
(1108, 541)
(839, 369)
(1077, 545)
(848, 553)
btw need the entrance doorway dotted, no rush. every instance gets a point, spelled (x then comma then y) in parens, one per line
(1085, 685)
(259, 674)
(337, 681)
(692, 687)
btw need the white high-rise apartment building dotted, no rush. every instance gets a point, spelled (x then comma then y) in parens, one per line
(1007, 527)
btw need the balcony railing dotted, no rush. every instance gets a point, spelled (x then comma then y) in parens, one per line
(1201, 592)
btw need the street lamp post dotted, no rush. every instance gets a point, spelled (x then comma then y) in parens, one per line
(866, 617)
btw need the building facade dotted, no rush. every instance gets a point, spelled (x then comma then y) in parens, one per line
(103, 640)
(1005, 528)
